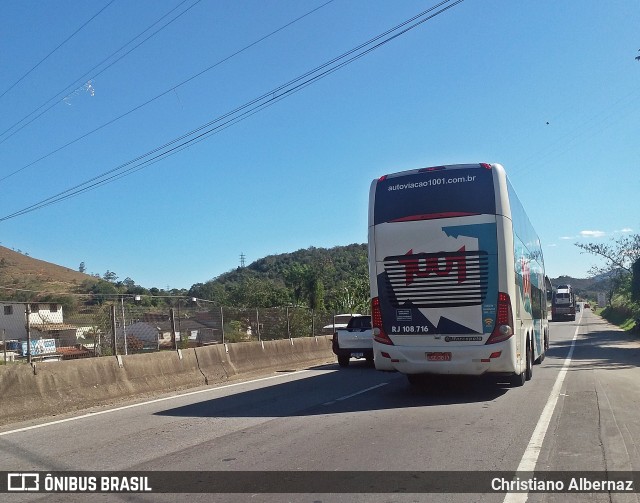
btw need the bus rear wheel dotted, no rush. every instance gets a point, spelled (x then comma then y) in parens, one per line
(545, 346)
(518, 379)
(528, 373)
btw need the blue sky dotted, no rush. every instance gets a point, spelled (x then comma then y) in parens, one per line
(548, 89)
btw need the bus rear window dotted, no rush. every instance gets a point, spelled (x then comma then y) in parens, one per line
(435, 194)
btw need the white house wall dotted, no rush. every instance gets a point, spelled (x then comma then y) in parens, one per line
(45, 315)
(14, 324)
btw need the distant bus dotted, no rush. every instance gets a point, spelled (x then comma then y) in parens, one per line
(457, 275)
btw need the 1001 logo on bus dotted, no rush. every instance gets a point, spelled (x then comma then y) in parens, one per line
(442, 265)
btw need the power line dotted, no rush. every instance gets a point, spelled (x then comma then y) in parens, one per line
(172, 89)
(230, 118)
(54, 50)
(54, 100)
(116, 296)
(242, 112)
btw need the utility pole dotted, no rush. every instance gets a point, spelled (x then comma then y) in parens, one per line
(114, 342)
(172, 317)
(27, 309)
(124, 326)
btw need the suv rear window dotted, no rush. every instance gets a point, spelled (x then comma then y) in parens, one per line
(360, 322)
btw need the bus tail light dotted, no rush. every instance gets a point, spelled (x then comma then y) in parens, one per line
(379, 335)
(504, 322)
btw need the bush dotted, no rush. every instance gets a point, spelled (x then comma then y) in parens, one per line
(234, 332)
(622, 312)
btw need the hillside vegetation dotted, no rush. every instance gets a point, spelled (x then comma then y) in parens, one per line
(319, 278)
(333, 279)
(20, 272)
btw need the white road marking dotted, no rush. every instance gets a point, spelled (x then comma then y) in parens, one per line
(531, 453)
(355, 394)
(157, 400)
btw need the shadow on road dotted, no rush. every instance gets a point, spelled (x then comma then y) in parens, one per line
(352, 389)
(360, 387)
(601, 347)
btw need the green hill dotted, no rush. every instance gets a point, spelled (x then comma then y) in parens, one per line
(332, 278)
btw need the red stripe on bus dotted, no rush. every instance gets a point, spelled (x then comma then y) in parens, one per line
(434, 216)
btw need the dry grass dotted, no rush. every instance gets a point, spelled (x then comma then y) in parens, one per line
(18, 271)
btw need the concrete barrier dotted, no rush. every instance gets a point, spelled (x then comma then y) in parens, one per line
(314, 347)
(55, 387)
(213, 363)
(285, 354)
(52, 388)
(162, 371)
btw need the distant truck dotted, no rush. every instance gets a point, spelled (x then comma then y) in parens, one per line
(564, 304)
(354, 341)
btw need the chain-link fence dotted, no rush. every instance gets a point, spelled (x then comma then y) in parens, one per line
(124, 327)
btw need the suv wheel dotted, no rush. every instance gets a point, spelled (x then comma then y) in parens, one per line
(343, 361)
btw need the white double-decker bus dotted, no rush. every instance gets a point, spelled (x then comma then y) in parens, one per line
(457, 275)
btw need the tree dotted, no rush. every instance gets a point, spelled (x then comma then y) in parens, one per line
(305, 282)
(352, 296)
(296, 278)
(82, 268)
(316, 294)
(215, 292)
(102, 291)
(635, 281)
(619, 254)
(128, 283)
(110, 276)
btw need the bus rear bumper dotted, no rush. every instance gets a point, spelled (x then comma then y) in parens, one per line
(446, 360)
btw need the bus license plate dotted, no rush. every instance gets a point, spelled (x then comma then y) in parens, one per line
(357, 355)
(439, 357)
